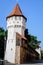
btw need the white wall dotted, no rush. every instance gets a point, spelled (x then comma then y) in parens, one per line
(38, 50)
(10, 49)
(20, 21)
(11, 39)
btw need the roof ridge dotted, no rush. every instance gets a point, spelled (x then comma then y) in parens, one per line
(21, 36)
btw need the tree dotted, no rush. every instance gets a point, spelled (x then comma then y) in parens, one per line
(42, 54)
(2, 42)
(32, 40)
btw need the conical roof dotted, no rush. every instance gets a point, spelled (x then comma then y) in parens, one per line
(16, 12)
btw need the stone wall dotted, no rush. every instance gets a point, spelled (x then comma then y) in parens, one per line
(17, 57)
(22, 55)
(25, 54)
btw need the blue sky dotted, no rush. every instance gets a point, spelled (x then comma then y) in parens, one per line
(32, 9)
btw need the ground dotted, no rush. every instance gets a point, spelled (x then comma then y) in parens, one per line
(33, 63)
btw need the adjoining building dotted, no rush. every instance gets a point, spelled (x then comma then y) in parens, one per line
(18, 50)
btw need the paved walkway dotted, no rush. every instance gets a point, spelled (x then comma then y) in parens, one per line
(38, 62)
(33, 63)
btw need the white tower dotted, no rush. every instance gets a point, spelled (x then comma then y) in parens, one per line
(15, 23)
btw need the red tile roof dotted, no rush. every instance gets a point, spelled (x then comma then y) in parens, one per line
(16, 11)
(21, 36)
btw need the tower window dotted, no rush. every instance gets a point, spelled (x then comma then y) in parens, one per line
(19, 18)
(17, 25)
(17, 22)
(11, 49)
(15, 18)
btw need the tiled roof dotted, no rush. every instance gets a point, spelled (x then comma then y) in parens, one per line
(21, 36)
(16, 12)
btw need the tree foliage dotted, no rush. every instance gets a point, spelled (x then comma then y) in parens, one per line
(42, 54)
(2, 42)
(32, 40)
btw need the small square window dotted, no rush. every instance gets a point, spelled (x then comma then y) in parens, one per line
(17, 22)
(15, 25)
(11, 49)
(15, 18)
(19, 25)
(19, 18)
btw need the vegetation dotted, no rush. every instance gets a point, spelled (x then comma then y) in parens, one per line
(42, 54)
(32, 40)
(2, 42)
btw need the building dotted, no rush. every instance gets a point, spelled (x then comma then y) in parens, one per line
(17, 48)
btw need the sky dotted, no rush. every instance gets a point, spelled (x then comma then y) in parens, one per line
(33, 11)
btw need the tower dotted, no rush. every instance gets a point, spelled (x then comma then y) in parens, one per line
(15, 24)
(17, 20)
